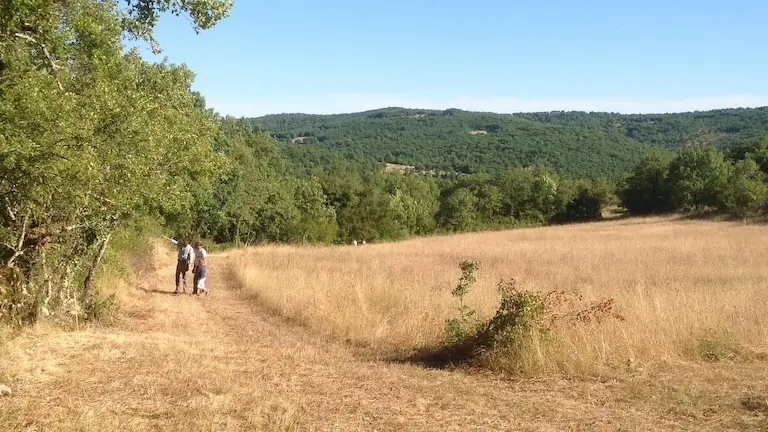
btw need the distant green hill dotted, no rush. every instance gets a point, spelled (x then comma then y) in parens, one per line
(573, 143)
(721, 128)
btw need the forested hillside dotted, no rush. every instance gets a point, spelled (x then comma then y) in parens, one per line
(454, 140)
(724, 128)
(580, 144)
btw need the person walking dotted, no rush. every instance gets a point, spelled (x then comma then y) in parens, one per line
(185, 256)
(200, 269)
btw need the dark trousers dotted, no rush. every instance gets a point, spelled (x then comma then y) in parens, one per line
(197, 274)
(195, 277)
(182, 267)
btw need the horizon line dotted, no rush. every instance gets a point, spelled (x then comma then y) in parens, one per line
(344, 104)
(394, 107)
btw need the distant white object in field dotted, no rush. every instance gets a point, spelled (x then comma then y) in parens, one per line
(354, 242)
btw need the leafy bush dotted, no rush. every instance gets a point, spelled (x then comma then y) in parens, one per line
(698, 178)
(523, 322)
(646, 190)
(746, 192)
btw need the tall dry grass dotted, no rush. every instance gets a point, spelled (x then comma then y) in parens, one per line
(690, 290)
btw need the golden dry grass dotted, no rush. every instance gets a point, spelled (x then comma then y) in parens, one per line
(688, 289)
(220, 363)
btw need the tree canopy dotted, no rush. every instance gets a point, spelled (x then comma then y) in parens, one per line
(91, 137)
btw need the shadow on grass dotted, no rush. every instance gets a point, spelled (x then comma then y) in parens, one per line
(441, 357)
(712, 216)
(702, 215)
(755, 403)
(162, 292)
(665, 217)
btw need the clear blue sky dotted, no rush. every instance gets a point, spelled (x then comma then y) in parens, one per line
(506, 56)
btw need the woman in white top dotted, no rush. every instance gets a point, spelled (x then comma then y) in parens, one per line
(200, 270)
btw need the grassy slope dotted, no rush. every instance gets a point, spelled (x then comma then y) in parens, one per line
(222, 363)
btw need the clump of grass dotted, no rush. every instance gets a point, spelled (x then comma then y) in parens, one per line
(713, 346)
(104, 309)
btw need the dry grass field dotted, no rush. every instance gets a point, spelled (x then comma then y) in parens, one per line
(689, 290)
(298, 339)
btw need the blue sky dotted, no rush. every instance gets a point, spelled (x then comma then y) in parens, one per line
(505, 56)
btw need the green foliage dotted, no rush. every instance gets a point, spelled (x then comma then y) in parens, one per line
(698, 178)
(130, 252)
(414, 201)
(141, 16)
(531, 194)
(317, 219)
(746, 191)
(458, 211)
(646, 190)
(756, 150)
(524, 326)
(468, 277)
(588, 200)
(489, 202)
(459, 329)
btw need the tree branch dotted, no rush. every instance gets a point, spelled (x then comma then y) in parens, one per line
(72, 227)
(8, 207)
(90, 279)
(107, 200)
(23, 230)
(18, 251)
(55, 66)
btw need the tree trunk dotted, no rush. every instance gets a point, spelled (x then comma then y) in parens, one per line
(90, 280)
